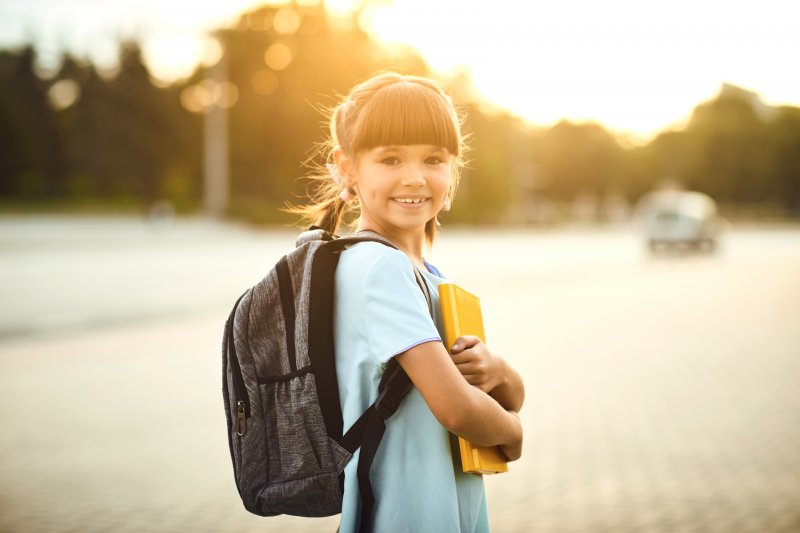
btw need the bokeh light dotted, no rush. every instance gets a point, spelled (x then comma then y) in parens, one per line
(63, 94)
(212, 52)
(167, 54)
(265, 82)
(259, 20)
(203, 96)
(225, 94)
(278, 56)
(286, 21)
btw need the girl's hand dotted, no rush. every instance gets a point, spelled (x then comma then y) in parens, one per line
(512, 451)
(477, 364)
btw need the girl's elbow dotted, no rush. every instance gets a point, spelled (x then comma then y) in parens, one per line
(454, 417)
(452, 421)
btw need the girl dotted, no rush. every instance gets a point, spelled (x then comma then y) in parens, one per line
(395, 152)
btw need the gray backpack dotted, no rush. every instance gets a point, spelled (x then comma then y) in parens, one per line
(285, 428)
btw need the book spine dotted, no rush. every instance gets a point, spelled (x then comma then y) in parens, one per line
(449, 308)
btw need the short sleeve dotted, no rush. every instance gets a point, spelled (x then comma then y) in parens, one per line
(395, 309)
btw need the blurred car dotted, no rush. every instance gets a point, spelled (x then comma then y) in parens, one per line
(674, 219)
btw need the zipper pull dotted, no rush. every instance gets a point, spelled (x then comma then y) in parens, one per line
(241, 421)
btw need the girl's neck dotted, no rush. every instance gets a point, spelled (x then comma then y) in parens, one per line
(411, 244)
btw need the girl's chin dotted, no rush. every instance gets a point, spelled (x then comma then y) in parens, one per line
(406, 225)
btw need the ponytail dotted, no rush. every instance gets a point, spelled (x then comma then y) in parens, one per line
(325, 209)
(330, 216)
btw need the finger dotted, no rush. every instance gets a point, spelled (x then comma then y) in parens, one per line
(467, 368)
(475, 365)
(475, 379)
(464, 342)
(463, 357)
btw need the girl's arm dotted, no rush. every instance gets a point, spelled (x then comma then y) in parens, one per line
(461, 408)
(489, 372)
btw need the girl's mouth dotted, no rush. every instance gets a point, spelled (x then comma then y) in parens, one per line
(411, 203)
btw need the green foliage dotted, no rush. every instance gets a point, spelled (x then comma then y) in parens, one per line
(272, 133)
(29, 141)
(786, 163)
(497, 160)
(178, 188)
(125, 142)
(577, 158)
(29, 185)
(735, 149)
(80, 186)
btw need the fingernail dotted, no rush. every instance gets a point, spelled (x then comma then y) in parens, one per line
(455, 347)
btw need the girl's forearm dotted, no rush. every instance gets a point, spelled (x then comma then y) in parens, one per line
(460, 407)
(487, 423)
(511, 391)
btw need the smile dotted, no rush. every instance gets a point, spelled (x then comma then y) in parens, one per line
(411, 201)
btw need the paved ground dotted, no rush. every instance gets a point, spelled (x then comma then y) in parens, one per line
(662, 394)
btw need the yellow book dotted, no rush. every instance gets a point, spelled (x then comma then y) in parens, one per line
(461, 314)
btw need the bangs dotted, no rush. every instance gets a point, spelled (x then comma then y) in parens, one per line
(406, 113)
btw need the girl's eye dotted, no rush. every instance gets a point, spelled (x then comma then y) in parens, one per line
(434, 160)
(390, 161)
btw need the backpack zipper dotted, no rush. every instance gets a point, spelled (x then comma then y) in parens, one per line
(239, 388)
(241, 420)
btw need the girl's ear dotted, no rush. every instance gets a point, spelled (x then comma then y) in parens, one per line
(345, 166)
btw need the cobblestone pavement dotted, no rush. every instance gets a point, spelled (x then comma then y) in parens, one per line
(662, 396)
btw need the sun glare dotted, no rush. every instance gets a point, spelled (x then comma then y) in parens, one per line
(633, 66)
(342, 7)
(171, 56)
(177, 38)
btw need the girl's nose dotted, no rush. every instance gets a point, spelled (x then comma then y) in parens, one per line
(415, 175)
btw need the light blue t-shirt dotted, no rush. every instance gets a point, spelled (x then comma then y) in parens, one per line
(380, 312)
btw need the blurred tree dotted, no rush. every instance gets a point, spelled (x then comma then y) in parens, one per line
(289, 63)
(786, 163)
(30, 148)
(497, 165)
(578, 159)
(117, 139)
(662, 160)
(727, 151)
(127, 140)
(734, 148)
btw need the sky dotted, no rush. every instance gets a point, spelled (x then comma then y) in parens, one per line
(637, 67)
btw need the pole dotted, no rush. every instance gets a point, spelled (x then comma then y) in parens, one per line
(215, 148)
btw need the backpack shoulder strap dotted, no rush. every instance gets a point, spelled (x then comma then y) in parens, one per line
(367, 432)
(371, 236)
(320, 344)
(424, 287)
(341, 243)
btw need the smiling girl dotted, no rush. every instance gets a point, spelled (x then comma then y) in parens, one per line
(394, 158)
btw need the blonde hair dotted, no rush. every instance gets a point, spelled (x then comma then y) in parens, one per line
(387, 109)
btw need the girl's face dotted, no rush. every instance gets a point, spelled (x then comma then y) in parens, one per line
(401, 187)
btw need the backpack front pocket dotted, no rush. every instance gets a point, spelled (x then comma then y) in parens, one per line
(297, 441)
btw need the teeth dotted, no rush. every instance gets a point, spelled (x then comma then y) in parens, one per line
(410, 200)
